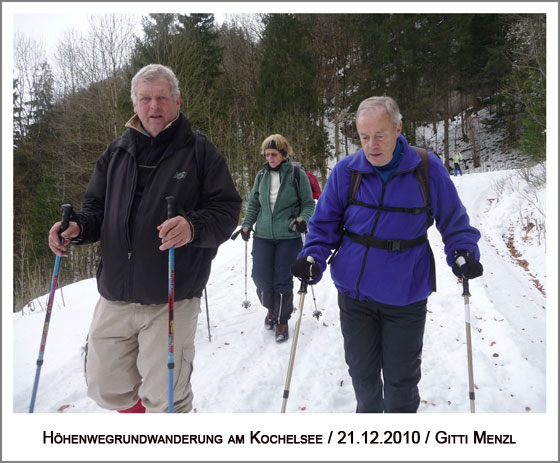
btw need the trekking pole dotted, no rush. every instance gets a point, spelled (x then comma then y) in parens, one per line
(170, 302)
(302, 292)
(317, 313)
(245, 304)
(67, 212)
(466, 296)
(207, 315)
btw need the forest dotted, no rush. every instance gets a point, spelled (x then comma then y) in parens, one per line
(301, 75)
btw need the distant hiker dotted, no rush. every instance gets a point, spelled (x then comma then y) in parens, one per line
(436, 153)
(315, 187)
(280, 204)
(440, 154)
(431, 150)
(375, 210)
(457, 159)
(158, 155)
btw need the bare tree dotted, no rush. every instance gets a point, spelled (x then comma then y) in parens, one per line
(29, 56)
(113, 39)
(251, 23)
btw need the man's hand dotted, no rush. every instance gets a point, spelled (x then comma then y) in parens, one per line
(174, 232)
(55, 244)
(305, 268)
(466, 266)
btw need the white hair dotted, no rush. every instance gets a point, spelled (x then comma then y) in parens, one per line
(385, 102)
(152, 72)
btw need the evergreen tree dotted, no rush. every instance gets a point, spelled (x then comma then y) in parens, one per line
(392, 51)
(287, 99)
(525, 88)
(155, 47)
(201, 30)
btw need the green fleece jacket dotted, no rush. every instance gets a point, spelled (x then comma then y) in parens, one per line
(274, 225)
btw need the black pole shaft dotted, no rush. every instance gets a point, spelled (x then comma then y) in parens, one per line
(207, 315)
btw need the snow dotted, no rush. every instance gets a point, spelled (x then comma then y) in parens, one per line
(242, 370)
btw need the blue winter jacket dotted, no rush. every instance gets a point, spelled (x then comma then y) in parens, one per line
(390, 277)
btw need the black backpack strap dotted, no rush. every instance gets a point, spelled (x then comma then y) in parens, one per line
(423, 174)
(354, 186)
(389, 245)
(199, 151)
(296, 168)
(260, 175)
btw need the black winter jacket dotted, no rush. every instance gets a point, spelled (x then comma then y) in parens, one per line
(132, 268)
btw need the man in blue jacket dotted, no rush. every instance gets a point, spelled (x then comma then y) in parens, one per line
(383, 267)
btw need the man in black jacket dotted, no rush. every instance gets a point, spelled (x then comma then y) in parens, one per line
(158, 155)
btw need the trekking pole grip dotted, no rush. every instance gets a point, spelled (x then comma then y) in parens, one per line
(303, 286)
(170, 206)
(236, 234)
(67, 213)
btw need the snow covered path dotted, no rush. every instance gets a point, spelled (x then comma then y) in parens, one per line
(243, 370)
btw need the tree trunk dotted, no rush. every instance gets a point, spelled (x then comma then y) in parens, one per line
(446, 139)
(472, 133)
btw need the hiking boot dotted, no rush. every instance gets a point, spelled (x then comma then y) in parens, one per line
(281, 332)
(284, 305)
(136, 408)
(269, 320)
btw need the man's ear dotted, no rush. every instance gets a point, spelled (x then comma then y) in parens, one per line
(399, 128)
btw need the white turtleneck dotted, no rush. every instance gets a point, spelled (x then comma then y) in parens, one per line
(274, 187)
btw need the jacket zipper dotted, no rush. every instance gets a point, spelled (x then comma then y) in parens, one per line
(127, 229)
(367, 248)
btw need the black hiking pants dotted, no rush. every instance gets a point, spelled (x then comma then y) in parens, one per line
(271, 273)
(383, 350)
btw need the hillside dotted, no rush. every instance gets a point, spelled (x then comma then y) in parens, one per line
(491, 144)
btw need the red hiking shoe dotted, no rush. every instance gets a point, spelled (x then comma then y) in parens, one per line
(136, 408)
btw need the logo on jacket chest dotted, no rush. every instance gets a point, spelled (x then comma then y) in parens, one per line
(180, 175)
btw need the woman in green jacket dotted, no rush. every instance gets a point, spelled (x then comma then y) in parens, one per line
(280, 216)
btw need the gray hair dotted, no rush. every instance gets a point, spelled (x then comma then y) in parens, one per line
(152, 72)
(385, 102)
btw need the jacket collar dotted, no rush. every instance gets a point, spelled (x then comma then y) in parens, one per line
(283, 166)
(409, 160)
(180, 124)
(134, 123)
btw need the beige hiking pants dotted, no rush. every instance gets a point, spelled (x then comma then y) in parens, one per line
(127, 355)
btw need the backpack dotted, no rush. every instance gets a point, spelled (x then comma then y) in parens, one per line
(315, 187)
(423, 177)
(296, 167)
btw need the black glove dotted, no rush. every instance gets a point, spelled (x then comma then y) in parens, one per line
(245, 233)
(466, 266)
(305, 268)
(295, 226)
